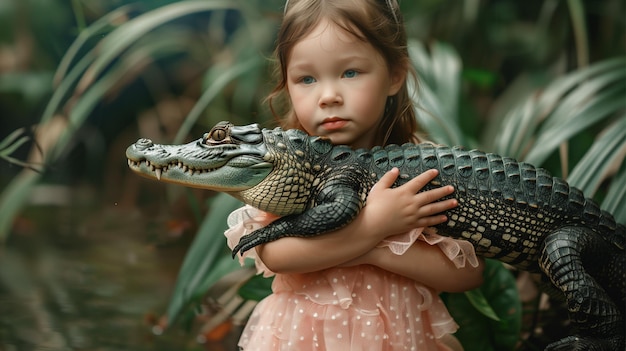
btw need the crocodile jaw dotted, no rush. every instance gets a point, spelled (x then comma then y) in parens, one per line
(224, 169)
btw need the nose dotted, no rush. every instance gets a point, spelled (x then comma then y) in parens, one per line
(330, 95)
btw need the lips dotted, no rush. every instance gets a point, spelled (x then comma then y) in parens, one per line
(333, 123)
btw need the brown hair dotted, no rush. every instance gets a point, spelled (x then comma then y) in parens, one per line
(372, 21)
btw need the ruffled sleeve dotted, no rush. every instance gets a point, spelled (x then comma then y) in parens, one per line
(247, 219)
(460, 252)
(244, 221)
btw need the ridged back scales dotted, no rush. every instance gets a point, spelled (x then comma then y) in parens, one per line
(499, 197)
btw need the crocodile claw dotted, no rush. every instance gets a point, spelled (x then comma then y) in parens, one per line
(246, 243)
(236, 250)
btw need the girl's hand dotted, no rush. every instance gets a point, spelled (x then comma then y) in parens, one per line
(391, 211)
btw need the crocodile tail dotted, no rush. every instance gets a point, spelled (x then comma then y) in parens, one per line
(594, 217)
(587, 212)
(619, 239)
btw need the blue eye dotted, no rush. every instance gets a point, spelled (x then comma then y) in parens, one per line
(307, 80)
(350, 73)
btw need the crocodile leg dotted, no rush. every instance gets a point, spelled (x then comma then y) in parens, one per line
(565, 256)
(336, 206)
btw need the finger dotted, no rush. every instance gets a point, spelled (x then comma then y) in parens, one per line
(431, 220)
(416, 184)
(438, 207)
(435, 194)
(387, 180)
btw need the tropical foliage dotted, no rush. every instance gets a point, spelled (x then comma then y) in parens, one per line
(523, 79)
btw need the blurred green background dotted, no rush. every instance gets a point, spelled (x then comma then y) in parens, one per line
(94, 258)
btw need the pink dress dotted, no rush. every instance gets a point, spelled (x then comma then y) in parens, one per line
(348, 309)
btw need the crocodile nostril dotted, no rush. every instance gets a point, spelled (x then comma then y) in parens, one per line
(143, 144)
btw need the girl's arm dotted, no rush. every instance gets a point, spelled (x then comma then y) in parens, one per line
(388, 211)
(426, 264)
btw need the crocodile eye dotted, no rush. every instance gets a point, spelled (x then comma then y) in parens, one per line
(218, 134)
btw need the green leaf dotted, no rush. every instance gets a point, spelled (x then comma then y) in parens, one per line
(222, 78)
(102, 26)
(127, 34)
(100, 70)
(482, 78)
(601, 160)
(256, 288)
(484, 328)
(208, 258)
(479, 301)
(11, 139)
(616, 197)
(438, 90)
(591, 102)
(539, 124)
(579, 26)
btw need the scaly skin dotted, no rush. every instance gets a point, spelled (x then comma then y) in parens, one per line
(509, 210)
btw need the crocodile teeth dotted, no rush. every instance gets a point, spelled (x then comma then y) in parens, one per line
(158, 171)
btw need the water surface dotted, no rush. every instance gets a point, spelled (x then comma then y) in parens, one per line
(91, 279)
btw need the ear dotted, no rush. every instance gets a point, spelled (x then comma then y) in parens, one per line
(398, 78)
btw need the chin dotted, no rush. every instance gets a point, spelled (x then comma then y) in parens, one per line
(338, 139)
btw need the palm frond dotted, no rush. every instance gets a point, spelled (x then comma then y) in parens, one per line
(106, 65)
(535, 128)
(437, 92)
(207, 261)
(615, 201)
(603, 161)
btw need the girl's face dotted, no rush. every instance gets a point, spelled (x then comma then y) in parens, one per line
(338, 85)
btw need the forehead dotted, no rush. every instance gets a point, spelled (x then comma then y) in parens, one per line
(327, 37)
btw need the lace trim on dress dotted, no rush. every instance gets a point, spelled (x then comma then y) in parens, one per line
(244, 221)
(247, 219)
(459, 252)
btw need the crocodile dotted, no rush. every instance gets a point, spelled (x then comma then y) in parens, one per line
(508, 210)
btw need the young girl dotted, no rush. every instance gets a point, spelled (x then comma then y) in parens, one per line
(372, 285)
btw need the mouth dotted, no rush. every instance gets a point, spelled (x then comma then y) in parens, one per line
(158, 170)
(333, 123)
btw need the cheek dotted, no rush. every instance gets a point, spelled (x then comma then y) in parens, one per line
(298, 101)
(371, 103)
(302, 106)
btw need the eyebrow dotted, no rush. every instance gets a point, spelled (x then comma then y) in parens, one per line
(342, 60)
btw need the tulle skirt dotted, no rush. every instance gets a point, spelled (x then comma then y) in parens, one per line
(347, 308)
(354, 308)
